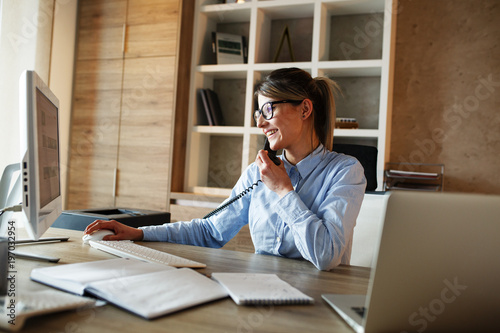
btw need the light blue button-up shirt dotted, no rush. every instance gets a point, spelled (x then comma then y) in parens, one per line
(314, 222)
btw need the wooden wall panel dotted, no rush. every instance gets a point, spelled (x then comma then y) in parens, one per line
(100, 29)
(145, 133)
(94, 133)
(152, 28)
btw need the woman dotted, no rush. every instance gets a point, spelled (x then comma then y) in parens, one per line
(308, 205)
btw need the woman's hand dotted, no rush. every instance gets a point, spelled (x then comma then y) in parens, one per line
(274, 176)
(122, 232)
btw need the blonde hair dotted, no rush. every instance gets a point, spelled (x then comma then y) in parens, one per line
(297, 84)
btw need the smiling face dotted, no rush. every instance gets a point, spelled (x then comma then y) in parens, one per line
(289, 128)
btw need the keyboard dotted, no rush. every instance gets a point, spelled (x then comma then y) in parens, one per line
(128, 249)
(38, 303)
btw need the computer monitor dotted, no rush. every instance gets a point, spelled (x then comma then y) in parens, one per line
(40, 166)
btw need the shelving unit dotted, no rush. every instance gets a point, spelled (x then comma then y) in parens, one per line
(349, 41)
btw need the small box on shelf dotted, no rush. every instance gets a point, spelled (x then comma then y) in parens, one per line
(346, 123)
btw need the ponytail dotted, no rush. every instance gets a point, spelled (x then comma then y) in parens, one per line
(324, 116)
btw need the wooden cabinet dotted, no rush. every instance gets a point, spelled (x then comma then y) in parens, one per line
(123, 108)
(350, 41)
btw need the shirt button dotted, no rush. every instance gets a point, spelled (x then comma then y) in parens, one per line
(278, 239)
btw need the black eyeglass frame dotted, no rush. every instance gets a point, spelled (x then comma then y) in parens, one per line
(270, 109)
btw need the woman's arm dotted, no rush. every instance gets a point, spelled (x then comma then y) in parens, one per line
(214, 231)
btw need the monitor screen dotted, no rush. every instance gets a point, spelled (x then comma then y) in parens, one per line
(48, 149)
(40, 168)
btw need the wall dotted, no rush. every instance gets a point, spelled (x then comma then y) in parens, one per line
(26, 28)
(61, 75)
(447, 90)
(38, 36)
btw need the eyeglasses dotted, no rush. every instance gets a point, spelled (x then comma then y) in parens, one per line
(267, 109)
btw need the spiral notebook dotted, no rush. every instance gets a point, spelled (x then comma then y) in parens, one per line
(255, 288)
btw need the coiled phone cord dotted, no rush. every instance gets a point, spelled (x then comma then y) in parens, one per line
(239, 196)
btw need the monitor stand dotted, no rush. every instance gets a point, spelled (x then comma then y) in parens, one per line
(11, 197)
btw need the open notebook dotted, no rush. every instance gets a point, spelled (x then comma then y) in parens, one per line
(146, 289)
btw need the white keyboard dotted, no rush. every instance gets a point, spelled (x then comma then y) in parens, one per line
(38, 303)
(128, 249)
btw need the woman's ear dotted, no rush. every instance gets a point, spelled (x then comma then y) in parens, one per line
(306, 108)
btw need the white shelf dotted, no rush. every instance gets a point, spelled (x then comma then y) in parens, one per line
(356, 133)
(236, 12)
(221, 130)
(322, 26)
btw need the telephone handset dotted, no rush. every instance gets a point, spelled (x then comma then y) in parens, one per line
(271, 153)
(273, 157)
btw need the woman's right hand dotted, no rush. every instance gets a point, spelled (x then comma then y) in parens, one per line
(122, 232)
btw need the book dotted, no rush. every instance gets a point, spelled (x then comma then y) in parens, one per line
(211, 106)
(215, 109)
(205, 107)
(146, 289)
(259, 288)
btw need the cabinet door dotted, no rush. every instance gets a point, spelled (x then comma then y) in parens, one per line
(152, 28)
(146, 127)
(146, 133)
(96, 104)
(94, 133)
(101, 29)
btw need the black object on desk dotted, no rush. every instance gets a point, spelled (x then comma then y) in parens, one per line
(80, 219)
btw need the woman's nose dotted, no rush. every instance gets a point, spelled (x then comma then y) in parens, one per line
(260, 121)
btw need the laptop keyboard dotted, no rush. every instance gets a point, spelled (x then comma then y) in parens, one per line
(359, 310)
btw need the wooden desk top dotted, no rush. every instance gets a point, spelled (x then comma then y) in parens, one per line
(218, 316)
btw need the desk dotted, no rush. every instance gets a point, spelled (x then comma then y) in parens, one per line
(218, 316)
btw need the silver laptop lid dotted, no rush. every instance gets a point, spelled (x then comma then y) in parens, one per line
(438, 265)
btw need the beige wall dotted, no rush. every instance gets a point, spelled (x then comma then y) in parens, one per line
(25, 40)
(447, 90)
(35, 35)
(61, 75)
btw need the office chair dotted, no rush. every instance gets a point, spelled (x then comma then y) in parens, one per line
(367, 156)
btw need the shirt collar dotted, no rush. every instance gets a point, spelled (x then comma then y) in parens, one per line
(307, 164)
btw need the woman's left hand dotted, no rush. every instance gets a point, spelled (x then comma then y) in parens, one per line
(274, 176)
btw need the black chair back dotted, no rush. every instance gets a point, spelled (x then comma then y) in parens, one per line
(367, 156)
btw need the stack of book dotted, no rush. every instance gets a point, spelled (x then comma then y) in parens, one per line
(211, 107)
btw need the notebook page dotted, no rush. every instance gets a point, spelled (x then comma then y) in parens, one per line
(75, 277)
(155, 294)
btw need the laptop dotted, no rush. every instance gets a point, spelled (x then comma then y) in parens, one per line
(437, 268)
